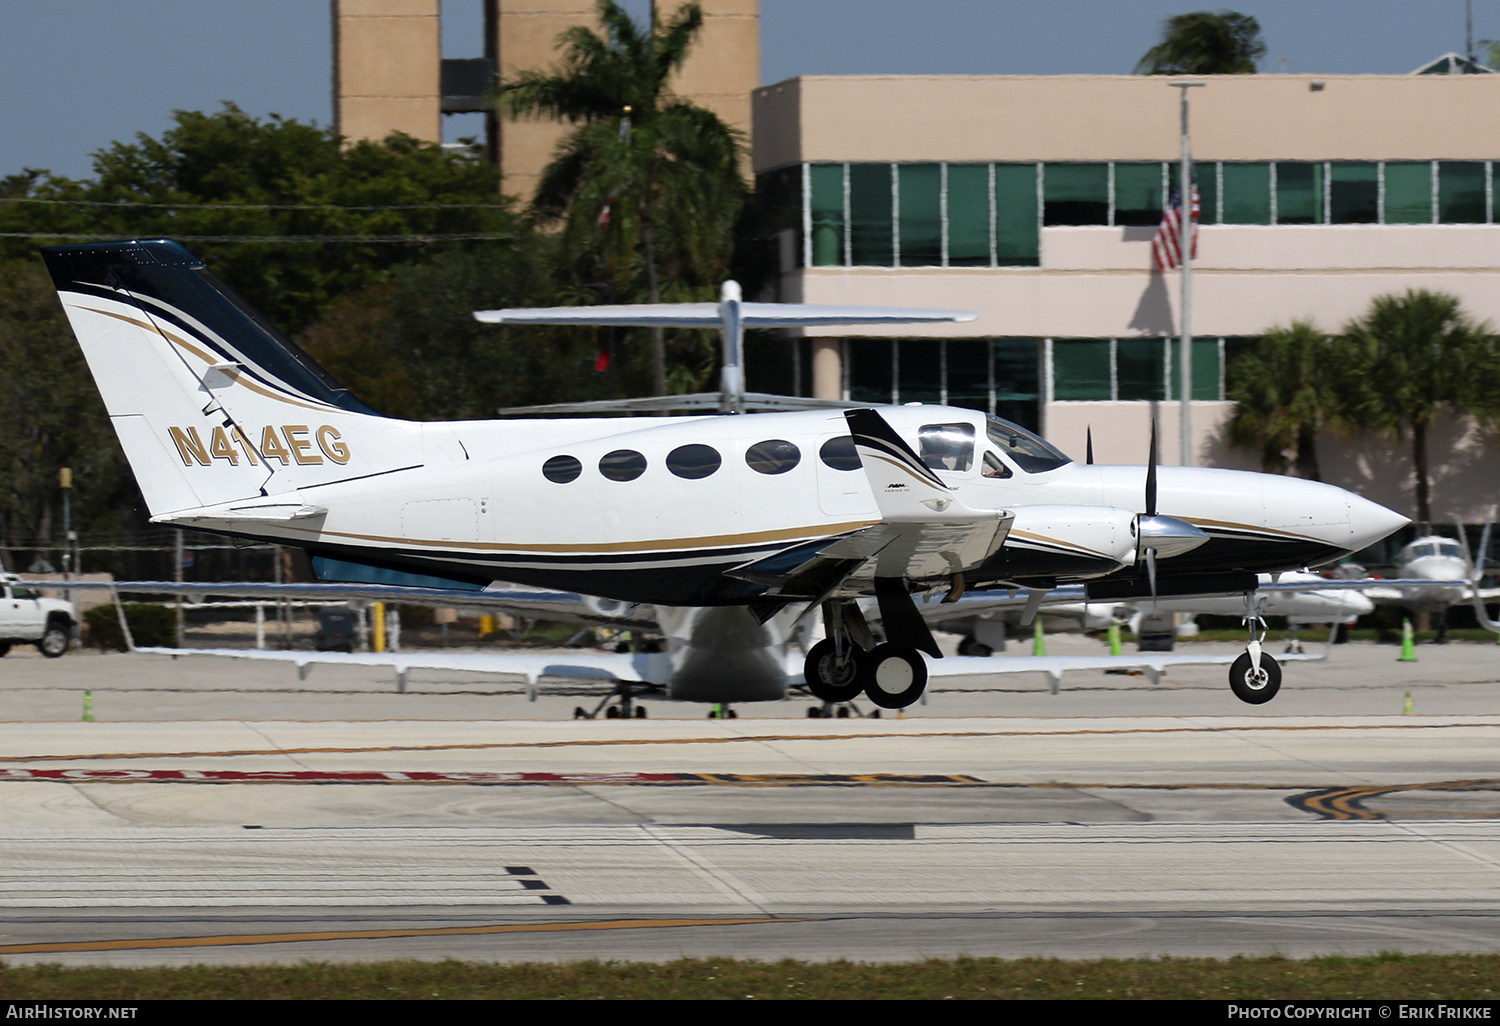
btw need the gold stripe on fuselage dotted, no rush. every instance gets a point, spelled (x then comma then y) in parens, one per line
(666, 544)
(206, 358)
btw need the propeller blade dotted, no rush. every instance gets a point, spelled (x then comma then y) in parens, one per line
(1088, 452)
(1151, 573)
(1151, 474)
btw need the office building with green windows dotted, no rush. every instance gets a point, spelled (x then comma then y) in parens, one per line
(1033, 200)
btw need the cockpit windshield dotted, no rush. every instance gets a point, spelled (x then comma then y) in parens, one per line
(1424, 549)
(1029, 452)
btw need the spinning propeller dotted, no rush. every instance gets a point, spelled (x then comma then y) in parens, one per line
(1158, 535)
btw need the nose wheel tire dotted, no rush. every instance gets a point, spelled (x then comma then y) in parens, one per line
(830, 678)
(1255, 688)
(893, 677)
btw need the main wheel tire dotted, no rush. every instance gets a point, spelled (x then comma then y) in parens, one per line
(54, 641)
(829, 678)
(4, 648)
(1256, 689)
(893, 677)
(969, 647)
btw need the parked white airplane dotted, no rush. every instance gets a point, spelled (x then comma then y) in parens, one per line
(230, 428)
(1434, 573)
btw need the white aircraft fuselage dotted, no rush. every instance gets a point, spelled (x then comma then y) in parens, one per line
(229, 428)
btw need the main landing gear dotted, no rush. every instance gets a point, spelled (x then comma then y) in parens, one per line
(848, 663)
(1255, 677)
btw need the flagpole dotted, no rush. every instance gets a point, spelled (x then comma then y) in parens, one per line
(1187, 236)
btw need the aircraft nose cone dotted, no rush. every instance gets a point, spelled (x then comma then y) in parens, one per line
(1370, 521)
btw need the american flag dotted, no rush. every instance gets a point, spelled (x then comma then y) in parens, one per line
(1166, 247)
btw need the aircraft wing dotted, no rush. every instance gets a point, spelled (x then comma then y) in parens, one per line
(604, 666)
(560, 606)
(1152, 664)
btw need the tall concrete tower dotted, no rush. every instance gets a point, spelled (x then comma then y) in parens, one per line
(389, 74)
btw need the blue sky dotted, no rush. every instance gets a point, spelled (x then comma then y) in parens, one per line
(78, 74)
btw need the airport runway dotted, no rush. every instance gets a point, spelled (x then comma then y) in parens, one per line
(1121, 820)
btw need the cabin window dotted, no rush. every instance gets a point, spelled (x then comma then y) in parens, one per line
(693, 462)
(946, 446)
(562, 469)
(994, 467)
(839, 453)
(773, 456)
(622, 465)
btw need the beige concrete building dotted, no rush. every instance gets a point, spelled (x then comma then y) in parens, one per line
(1034, 199)
(389, 73)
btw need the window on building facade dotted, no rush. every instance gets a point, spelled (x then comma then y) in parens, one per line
(1017, 236)
(954, 372)
(1208, 363)
(1141, 368)
(1246, 192)
(986, 215)
(1461, 192)
(1081, 369)
(1075, 194)
(919, 191)
(920, 366)
(1353, 192)
(1132, 369)
(967, 372)
(871, 215)
(1299, 193)
(1138, 194)
(969, 215)
(826, 214)
(1408, 192)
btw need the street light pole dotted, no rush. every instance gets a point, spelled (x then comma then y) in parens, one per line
(1187, 236)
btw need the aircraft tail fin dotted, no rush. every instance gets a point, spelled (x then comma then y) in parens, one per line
(211, 403)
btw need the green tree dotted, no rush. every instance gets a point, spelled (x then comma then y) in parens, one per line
(1203, 43)
(648, 187)
(51, 417)
(1285, 392)
(410, 346)
(1420, 356)
(234, 187)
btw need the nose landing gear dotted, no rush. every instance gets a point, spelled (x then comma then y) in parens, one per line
(1255, 677)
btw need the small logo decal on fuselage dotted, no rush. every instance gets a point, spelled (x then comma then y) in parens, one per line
(288, 443)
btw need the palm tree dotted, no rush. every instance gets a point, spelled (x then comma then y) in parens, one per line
(1420, 356)
(647, 184)
(1284, 393)
(1202, 43)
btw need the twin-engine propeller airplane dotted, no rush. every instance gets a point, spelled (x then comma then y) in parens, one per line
(230, 428)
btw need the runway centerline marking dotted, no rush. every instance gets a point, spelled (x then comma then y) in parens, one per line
(743, 739)
(224, 940)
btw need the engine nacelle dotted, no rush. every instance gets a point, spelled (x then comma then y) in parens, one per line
(1067, 542)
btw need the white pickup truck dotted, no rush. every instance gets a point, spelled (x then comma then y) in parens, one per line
(27, 618)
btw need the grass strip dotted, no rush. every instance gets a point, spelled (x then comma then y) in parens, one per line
(1378, 977)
